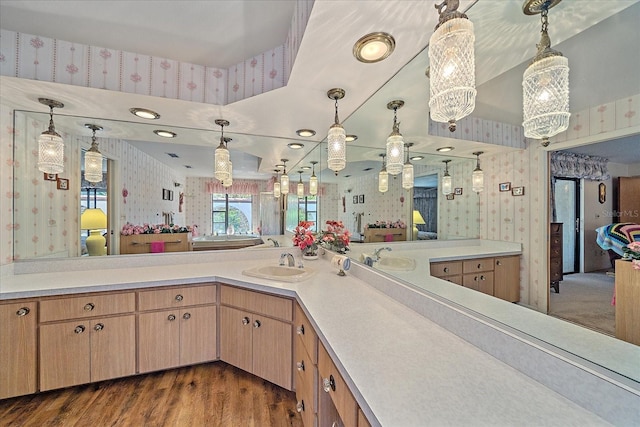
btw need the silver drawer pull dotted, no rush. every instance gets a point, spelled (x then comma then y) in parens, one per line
(300, 365)
(179, 297)
(23, 311)
(171, 317)
(89, 306)
(186, 316)
(245, 320)
(79, 329)
(99, 327)
(300, 330)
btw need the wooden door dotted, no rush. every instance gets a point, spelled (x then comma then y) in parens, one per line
(506, 278)
(197, 335)
(629, 199)
(113, 347)
(236, 347)
(158, 340)
(273, 351)
(64, 354)
(18, 350)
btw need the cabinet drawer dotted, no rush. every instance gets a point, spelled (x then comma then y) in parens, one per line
(342, 398)
(475, 265)
(256, 302)
(306, 335)
(449, 268)
(176, 297)
(86, 306)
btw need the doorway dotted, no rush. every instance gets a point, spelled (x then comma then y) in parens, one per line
(567, 212)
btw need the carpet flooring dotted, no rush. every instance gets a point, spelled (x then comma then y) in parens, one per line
(585, 299)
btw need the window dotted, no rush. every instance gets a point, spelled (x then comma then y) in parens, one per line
(232, 210)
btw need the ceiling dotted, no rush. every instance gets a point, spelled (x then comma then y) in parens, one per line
(599, 37)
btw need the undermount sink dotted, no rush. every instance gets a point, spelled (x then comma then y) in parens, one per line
(396, 263)
(280, 272)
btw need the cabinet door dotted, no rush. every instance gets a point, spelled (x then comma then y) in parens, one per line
(18, 349)
(113, 347)
(197, 335)
(158, 340)
(64, 354)
(506, 278)
(272, 351)
(235, 338)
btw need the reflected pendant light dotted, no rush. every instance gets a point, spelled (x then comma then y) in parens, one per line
(452, 80)
(50, 144)
(284, 179)
(477, 177)
(447, 182)
(313, 181)
(221, 161)
(276, 184)
(228, 182)
(300, 186)
(383, 177)
(93, 158)
(545, 84)
(395, 142)
(336, 139)
(407, 170)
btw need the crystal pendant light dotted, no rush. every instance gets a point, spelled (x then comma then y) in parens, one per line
(407, 170)
(383, 177)
(336, 139)
(447, 182)
(93, 158)
(221, 162)
(50, 144)
(452, 80)
(395, 142)
(545, 84)
(300, 191)
(313, 181)
(284, 179)
(276, 185)
(477, 177)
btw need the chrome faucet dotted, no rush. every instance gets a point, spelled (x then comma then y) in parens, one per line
(376, 253)
(275, 243)
(291, 261)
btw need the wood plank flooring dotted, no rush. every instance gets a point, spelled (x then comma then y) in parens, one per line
(213, 394)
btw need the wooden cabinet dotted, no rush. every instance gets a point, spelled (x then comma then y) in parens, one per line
(18, 350)
(256, 334)
(178, 336)
(85, 348)
(555, 255)
(333, 385)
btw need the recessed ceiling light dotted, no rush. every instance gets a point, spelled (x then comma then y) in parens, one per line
(165, 133)
(416, 158)
(374, 47)
(305, 133)
(444, 149)
(295, 145)
(351, 138)
(305, 168)
(144, 113)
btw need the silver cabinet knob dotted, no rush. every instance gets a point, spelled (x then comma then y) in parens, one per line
(300, 330)
(99, 327)
(300, 406)
(23, 311)
(186, 316)
(256, 324)
(179, 297)
(79, 329)
(171, 317)
(245, 320)
(89, 306)
(300, 365)
(329, 384)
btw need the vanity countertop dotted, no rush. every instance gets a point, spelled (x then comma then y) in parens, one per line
(405, 369)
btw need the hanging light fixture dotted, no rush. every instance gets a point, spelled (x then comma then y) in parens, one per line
(300, 186)
(395, 142)
(545, 84)
(93, 157)
(221, 162)
(313, 181)
(452, 80)
(477, 177)
(447, 182)
(284, 179)
(407, 170)
(276, 185)
(337, 156)
(383, 177)
(50, 144)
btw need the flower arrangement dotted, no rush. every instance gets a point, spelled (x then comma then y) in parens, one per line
(305, 239)
(387, 224)
(632, 253)
(130, 229)
(335, 237)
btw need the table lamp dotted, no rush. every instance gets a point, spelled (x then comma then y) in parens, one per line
(94, 220)
(417, 219)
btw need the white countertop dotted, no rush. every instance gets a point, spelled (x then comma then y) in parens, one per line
(407, 370)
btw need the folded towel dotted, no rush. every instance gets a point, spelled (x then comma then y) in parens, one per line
(388, 238)
(157, 247)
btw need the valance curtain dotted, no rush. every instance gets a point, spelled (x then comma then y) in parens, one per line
(572, 165)
(425, 201)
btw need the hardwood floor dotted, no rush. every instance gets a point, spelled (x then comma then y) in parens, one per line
(213, 394)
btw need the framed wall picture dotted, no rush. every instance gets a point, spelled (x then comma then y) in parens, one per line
(457, 191)
(517, 191)
(450, 196)
(505, 186)
(602, 193)
(50, 176)
(63, 184)
(355, 200)
(361, 198)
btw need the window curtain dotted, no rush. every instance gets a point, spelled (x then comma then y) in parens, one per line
(425, 201)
